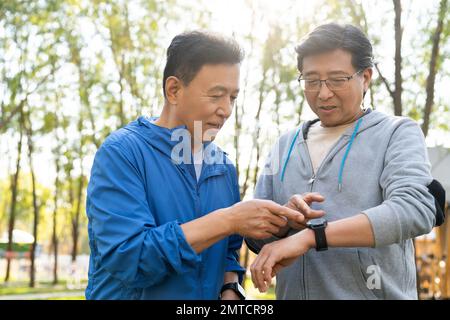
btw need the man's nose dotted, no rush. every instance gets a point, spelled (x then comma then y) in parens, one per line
(226, 108)
(324, 92)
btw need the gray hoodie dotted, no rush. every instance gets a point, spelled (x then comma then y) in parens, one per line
(385, 176)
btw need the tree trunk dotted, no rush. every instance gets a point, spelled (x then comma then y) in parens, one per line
(398, 59)
(240, 112)
(76, 215)
(433, 67)
(76, 219)
(246, 259)
(255, 139)
(277, 110)
(83, 86)
(372, 98)
(255, 135)
(35, 204)
(12, 212)
(237, 132)
(121, 106)
(300, 110)
(55, 213)
(119, 59)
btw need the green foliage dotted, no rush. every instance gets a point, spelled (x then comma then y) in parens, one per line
(49, 123)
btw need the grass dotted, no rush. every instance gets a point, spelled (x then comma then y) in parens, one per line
(67, 298)
(20, 287)
(14, 288)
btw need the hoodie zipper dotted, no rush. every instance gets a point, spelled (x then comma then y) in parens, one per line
(311, 183)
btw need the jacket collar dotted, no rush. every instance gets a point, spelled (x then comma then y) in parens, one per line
(168, 140)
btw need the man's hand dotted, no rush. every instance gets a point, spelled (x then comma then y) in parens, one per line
(260, 219)
(257, 219)
(277, 255)
(302, 203)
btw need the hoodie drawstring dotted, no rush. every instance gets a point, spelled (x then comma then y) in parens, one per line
(341, 169)
(289, 154)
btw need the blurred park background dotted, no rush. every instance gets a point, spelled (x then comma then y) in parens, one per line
(72, 71)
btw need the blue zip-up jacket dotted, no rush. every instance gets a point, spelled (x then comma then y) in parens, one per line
(136, 200)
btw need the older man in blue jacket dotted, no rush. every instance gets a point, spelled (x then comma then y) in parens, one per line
(165, 222)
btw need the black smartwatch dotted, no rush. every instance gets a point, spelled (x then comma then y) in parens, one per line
(318, 226)
(236, 287)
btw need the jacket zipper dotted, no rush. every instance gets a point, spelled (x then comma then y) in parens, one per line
(197, 200)
(197, 208)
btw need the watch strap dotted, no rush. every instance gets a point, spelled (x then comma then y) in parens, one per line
(233, 286)
(321, 239)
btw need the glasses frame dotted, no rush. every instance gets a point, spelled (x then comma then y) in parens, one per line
(348, 78)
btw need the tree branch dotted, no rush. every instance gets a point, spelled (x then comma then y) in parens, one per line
(386, 83)
(23, 101)
(436, 37)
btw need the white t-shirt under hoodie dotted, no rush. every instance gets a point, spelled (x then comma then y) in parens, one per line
(321, 139)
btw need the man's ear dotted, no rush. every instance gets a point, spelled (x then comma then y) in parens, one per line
(173, 86)
(367, 74)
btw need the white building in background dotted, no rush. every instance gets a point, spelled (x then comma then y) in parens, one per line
(19, 236)
(22, 242)
(440, 167)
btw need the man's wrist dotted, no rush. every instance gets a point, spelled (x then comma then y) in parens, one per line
(308, 238)
(230, 276)
(235, 287)
(227, 218)
(229, 295)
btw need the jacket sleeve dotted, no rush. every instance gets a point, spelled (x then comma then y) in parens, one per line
(408, 208)
(128, 242)
(234, 241)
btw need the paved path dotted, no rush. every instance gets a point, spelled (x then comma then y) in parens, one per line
(37, 296)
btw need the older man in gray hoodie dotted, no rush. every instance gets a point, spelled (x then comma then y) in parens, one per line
(366, 174)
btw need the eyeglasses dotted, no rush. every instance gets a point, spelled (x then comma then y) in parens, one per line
(334, 84)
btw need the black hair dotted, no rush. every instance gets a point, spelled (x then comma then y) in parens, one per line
(189, 51)
(332, 36)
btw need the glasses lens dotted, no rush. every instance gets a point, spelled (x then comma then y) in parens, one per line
(332, 84)
(310, 85)
(336, 84)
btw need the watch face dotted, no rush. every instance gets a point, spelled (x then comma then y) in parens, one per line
(317, 222)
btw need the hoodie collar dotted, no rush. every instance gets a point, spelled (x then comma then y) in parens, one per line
(371, 118)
